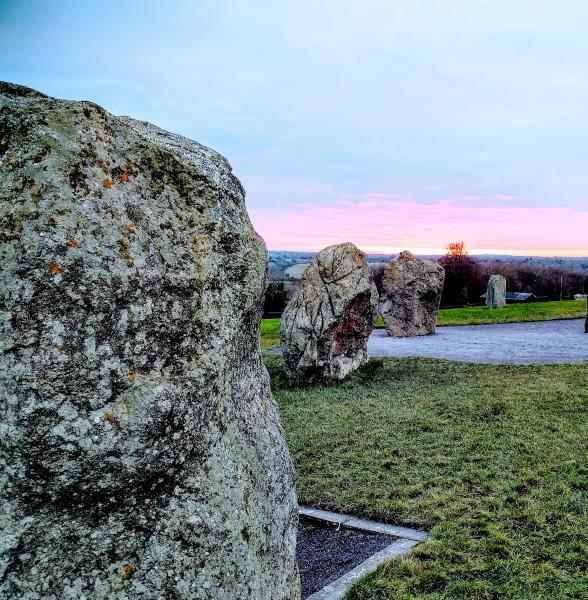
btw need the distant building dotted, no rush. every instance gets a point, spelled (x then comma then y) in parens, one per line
(516, 297)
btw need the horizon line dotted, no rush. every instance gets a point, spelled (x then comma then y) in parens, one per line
(442, 251)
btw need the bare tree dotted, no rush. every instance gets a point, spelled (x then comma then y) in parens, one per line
(463, 276)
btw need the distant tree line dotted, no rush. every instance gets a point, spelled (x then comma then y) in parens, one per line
(276, 298)
(466, 279)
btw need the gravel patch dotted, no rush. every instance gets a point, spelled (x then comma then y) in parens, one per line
(325, 552)
(540, 342)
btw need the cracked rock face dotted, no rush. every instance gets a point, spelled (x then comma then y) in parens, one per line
(325, 327)
(411, 293)
(496, 292)
(142, 454)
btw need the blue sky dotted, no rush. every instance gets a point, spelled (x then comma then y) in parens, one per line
(471, 108)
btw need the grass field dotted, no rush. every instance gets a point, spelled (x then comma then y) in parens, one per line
(475, 315)
(492, 460)
(512, 313)
(270, 333)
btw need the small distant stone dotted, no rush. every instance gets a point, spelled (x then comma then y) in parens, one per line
(496, 292)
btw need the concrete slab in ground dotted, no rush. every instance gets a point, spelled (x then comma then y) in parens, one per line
(541, 342)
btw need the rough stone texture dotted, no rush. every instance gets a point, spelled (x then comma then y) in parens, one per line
(411, 293)
(496, 292)
(325, 327)
(141, 450)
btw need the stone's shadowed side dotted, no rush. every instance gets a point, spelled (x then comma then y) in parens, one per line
(142, 454)
(496, 292)
(411, 293)
(326, 325)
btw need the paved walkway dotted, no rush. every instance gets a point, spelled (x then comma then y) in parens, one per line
(521, 343)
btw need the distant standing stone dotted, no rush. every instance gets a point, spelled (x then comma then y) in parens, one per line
(586, 293)
(326, 325)
(411, 293)
(496, 292)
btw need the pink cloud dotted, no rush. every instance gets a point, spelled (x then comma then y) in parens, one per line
(381, 222)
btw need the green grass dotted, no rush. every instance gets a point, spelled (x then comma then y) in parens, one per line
(474, 315)
(491, 459)
(512, 313)
(270, 333)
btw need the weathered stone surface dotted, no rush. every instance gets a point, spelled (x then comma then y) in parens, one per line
(325, 327)
(496, 292)
(411, 293)
(141, 450)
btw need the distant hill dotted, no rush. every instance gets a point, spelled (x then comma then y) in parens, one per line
(290, 265)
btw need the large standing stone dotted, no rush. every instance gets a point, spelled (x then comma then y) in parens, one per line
(411, 293)
(142, 454)
(586, 320)
(496, 292)
(326, 325)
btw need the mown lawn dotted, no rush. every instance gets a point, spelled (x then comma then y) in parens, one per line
(270, 333)
(475, 315)
(491, 459)
(512, 313)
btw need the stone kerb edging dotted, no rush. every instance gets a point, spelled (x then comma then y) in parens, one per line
(409, 538)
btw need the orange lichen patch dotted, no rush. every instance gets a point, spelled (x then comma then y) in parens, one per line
(51, 219)
(107, 182)
(73, 242)
(55, 268)
(109, 416)
(102, 164)
(126, 571)
(132, 376)
(131, 227)
(124, 177)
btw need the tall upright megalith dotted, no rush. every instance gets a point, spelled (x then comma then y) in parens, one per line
(141, 450)
(586, 292)
(411, 294)
(496, 292)
(326, 325)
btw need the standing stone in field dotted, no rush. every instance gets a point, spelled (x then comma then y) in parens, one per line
(142, 454)
(586, 293)
(411, 293)
(326, 325)
(496, 292)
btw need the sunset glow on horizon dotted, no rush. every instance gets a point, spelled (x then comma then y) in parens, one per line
(379, 225)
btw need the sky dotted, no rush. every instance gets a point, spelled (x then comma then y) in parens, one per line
(389, 123)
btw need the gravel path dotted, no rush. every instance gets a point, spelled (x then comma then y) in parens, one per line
(544, 342)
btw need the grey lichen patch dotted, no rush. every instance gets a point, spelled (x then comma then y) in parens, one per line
(139, 437)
